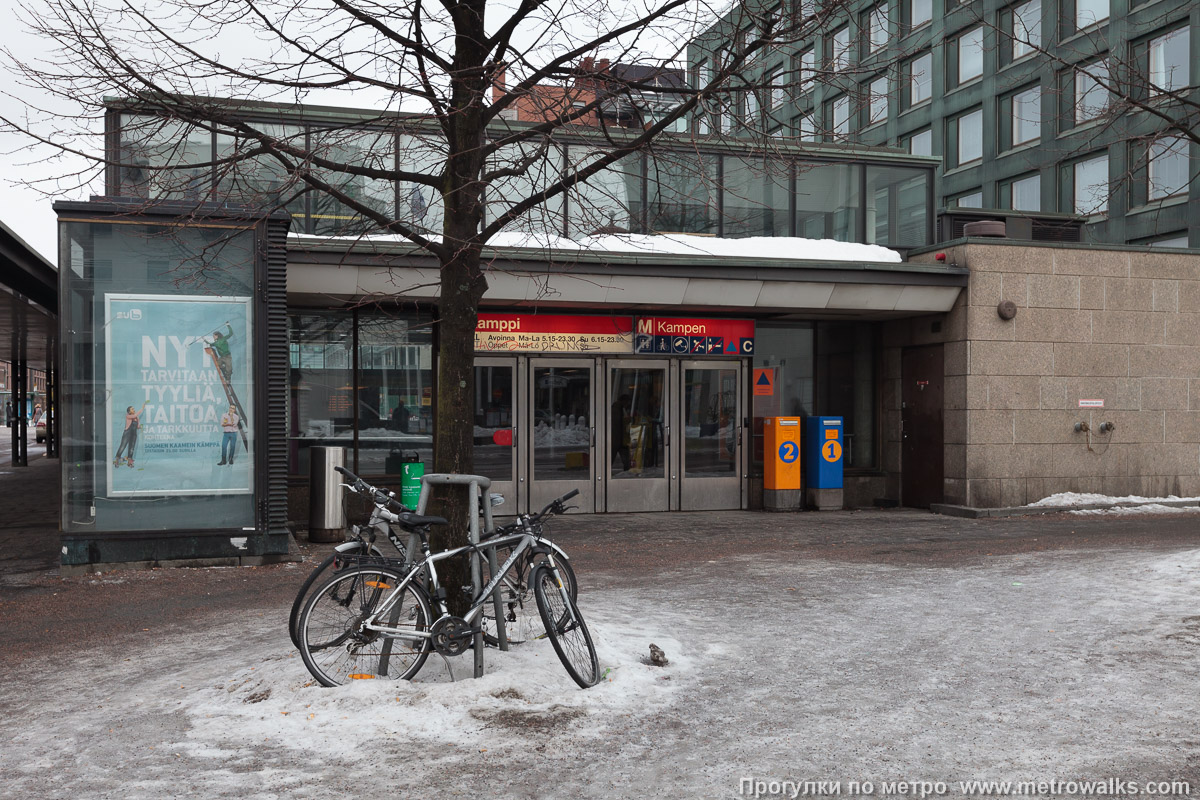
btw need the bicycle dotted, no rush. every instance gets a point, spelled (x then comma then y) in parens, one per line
(517, 594)
(376, 619)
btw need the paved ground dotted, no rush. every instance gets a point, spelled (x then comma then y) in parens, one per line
(870, 646)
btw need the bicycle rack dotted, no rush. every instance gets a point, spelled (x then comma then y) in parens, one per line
(476, 486)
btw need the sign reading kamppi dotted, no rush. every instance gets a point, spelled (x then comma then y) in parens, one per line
(553, 333)
(178, 386)
(694, 337)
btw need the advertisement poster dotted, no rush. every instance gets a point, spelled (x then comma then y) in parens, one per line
(178, 383)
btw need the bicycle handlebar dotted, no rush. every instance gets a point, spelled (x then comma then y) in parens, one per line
(379, 497)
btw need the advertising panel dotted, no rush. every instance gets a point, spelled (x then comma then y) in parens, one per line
(178, 391)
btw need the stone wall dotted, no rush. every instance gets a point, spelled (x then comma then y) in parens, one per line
(1118, 325)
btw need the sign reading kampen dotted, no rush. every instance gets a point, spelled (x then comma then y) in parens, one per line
(695, 337)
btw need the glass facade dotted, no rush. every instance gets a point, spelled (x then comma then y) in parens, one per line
(159, 379)
(672, 189)
(376, 400)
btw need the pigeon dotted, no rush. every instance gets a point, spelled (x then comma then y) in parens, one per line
(657, 657)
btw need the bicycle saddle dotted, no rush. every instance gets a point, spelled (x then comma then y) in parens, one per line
(411, 520)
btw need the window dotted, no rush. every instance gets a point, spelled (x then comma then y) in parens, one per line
(776, 88)
(840, 117)
(877, 29)
(970, 55)
(921, 144)
(1090, 12)
(1025, 194)
(839, 49)
(877, 103)
(919, 12)
(1169, 57)
(970, 200)
(805, 67)
(1173, 240)
(1026, 28)
(751, 106)
(1167, 170)
(1026, 116)
(1091, 95)
(1091, 185)
(970, 137)
(806, 128)
(920, 79)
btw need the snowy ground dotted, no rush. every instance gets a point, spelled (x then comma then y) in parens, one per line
(1030, 667)
(1127, 504)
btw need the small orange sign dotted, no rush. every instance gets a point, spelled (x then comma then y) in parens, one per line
(764, 382)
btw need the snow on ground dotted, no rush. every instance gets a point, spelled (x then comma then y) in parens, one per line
(1086, 498)
(1148, 508)
(524, 688)
(1037, 666)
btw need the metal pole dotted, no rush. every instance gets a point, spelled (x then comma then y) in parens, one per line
(476, 573)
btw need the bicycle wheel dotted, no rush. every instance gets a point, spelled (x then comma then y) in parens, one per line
(517, 604)
(565, 627)
(337, 648)
(331, 562)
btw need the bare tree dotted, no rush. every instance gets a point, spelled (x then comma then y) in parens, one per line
(473, 74)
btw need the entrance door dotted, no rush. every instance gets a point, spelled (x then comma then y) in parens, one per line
(496, 428)
(560, 432)
(710, 452)
(638, 435)
(921, 452)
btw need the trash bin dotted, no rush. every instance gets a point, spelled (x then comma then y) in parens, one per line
(326, 514)
(411, 472)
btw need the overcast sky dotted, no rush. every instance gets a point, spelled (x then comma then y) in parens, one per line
(27, 210)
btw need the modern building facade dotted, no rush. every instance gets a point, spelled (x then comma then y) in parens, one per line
(1013, 97)
(638, 368)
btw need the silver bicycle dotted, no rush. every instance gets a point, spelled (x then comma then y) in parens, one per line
(381, 618)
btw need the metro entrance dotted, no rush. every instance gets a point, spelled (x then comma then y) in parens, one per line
(631, 434)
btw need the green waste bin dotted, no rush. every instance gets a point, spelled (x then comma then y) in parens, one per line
(411, 472)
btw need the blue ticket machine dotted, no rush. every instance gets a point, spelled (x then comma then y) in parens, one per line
(823, 462)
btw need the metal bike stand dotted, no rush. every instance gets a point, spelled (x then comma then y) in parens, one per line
(476, 486)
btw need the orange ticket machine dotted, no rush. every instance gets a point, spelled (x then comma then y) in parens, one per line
(781, 464)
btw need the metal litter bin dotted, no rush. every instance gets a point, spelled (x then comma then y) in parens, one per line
(326, 515)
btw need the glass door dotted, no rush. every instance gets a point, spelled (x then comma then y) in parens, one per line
(712, 406)
(560, 431)
(496, 428)
(637, 435)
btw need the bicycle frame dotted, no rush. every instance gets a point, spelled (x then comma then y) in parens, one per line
(524, 540)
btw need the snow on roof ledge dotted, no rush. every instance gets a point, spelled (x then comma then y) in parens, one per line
(782, 247)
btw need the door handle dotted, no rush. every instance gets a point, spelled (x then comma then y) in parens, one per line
(666, 436)
(593, 436)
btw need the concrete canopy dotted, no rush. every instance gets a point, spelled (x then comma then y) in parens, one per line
(28, 303)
